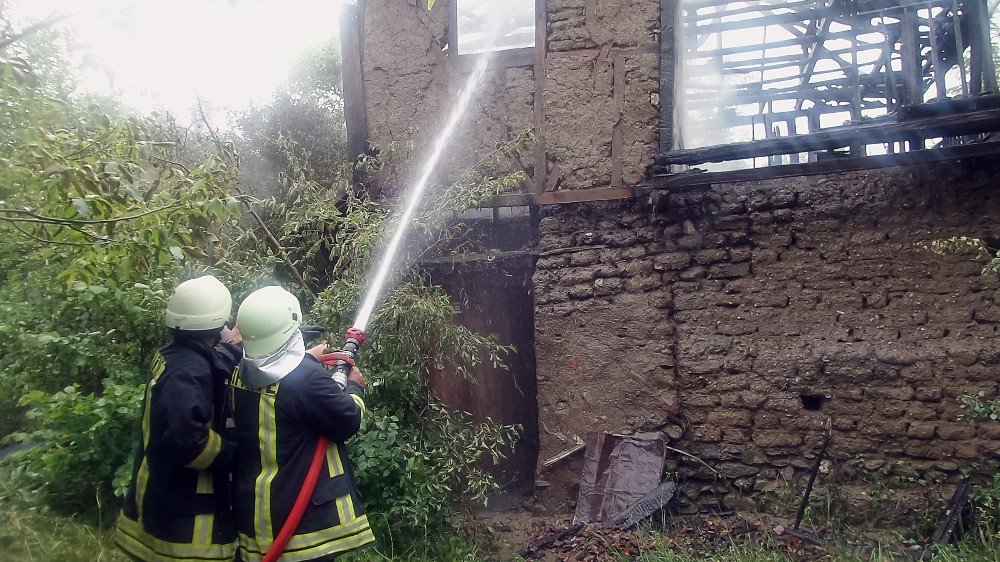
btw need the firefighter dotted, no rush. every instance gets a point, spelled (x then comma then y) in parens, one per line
(283, 401)
(178, 506)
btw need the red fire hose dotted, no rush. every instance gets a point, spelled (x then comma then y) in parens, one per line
(342, 362)
(301, 502)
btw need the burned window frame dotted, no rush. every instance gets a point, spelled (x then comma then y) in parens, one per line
(520, 56)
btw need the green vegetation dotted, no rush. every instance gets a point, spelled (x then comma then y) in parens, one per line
(103, 212)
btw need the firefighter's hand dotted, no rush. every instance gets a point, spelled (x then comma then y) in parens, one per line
(232, 336)
(318, 350)
(357, 377)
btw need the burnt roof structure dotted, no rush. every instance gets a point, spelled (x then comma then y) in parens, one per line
(790, 80)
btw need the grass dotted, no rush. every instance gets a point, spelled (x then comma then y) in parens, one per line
(26, 534)
(38, 536)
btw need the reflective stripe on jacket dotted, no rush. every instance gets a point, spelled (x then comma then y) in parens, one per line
(178, 505)
(277, 429)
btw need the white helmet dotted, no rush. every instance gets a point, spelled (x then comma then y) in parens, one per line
(199, 304)
(267, 319)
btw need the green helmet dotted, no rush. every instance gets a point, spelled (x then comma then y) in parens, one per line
(267, 319)
(199, 304)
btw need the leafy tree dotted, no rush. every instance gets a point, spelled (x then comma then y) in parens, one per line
(300, 128)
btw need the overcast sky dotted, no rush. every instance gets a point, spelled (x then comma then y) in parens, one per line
(159, 53)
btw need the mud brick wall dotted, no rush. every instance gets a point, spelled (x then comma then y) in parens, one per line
(738, 320)
(410, 82)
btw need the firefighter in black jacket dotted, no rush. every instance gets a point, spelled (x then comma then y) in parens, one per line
(283, 400)
(178, 505)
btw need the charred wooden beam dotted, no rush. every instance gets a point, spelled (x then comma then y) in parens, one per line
(981, 54)
(795, 41)
(697, 180)
(671, 42)
(922, 128)
(676, 183)
(913, 90)
(800, 16)
(540, 168)
(355, 117)
(753, 8)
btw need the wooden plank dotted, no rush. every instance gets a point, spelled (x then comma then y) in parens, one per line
(922, 128)
(796, 17)
(671, 69)
(913, 91)
(693, 180)
(753, 8)
(618, 130)
(553, 182)
(355, 116)
(958, 105)
(563, 197)
(822, 36)
(959, 46)
(793, 42)
(541, 46)
(936, 62)
(976, 51)
(690, 181)
(612, 52)
(982, 18)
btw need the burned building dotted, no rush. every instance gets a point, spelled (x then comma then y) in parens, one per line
(724, 237)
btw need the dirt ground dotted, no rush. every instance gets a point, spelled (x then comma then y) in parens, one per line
(513, 533)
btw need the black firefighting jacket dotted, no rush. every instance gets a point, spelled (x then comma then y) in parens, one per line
(277, 429)
(178, 506)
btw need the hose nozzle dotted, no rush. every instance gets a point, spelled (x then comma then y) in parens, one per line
(342, 361)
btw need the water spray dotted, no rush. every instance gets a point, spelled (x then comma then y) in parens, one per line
(385, 266)
(343, 360)
(356, 335)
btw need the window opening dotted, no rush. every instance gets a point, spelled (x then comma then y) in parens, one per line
(767, 69)
(512, 21)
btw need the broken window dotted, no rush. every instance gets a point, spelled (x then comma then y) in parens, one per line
(862, 72)
(483, 26)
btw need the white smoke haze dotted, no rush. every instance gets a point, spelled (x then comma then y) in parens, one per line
(155, 54)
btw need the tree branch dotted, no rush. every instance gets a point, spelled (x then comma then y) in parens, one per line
(44, 241)
(35, 217)
(172, 163)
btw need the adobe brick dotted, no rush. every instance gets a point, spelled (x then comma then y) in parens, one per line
(693, 273)
(956, 431)
(989, 431)
(585, 257)
(934, 450)
(927, 393)
(706, 257)
(921, 411)
(672, 261)
(729, 271)
(971, 449)
(884, 428)
(890, 393)
(730, 418)
(740, 255)
(921, 430)
(774, 438)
